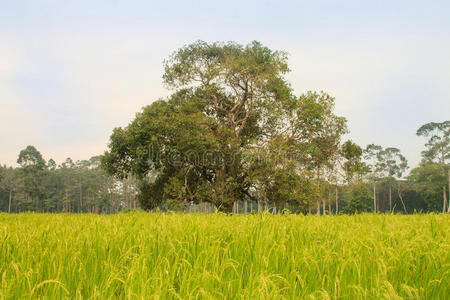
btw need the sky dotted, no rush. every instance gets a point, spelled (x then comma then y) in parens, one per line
(71, 71)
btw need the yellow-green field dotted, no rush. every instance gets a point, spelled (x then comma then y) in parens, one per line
(180, 256)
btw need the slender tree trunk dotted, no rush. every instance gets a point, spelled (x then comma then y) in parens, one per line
(401, 197)
(318, 200)
(329, 208)
(374, 197)
(323, 206)
(448, 206)
(81, 198)
(9, 203)
(245, 207)
(125, 194)
(390, 197)
(57, 205)
(444, 206)
(337, 201)
(128, 195)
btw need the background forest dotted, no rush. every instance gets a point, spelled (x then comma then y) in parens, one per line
(83, 186)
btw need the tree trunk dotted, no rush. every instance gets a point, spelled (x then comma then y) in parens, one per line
(323, 206)
(374, 198)
(125, 194)
(448, 206)
(245, 207)
(444, 206)
(9, 203)
(337, 201)
(401, 197)
(81, 198)
(318, 208)
(390, 197)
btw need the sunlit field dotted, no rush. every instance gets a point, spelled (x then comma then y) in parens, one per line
(184, 256)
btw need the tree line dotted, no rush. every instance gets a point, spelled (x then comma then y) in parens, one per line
(234, 137)
(75, 187)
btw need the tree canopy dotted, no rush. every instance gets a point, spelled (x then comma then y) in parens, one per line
(232, 130)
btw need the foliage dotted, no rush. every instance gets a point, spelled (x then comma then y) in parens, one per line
(358, 199)
(438, 144)
(428, 179)
(388, 162)
(80, 186)
(353, 166)
(231, 104)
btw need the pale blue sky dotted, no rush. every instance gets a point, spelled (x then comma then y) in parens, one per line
(71, 71)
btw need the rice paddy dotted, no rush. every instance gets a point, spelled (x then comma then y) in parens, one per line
(215, 256)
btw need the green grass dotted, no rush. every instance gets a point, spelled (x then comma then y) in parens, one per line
(179, 256)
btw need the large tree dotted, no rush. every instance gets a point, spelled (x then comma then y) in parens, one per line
(231, 103)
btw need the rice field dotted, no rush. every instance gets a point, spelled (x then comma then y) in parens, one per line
(214, 256)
